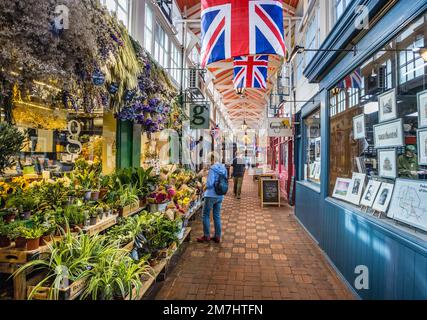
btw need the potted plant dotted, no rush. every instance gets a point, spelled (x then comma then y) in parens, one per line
(11, 142)
(32, 236)
(5, 230)
(93, 216)
(100, 212)
(159, 200)
(9, 215)
(105, 185)
(24, 203)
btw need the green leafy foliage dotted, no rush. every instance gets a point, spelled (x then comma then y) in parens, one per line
(11, 142)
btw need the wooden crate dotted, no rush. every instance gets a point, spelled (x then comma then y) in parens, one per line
(70, 293)
(21, 256)
(100, 226)
(129, 211)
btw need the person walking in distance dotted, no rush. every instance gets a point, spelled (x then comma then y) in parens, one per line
(216, 189)
(238, 175)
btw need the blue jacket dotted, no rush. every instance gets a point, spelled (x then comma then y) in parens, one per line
(213, 177)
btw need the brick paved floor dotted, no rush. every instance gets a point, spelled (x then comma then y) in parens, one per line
(265, 254)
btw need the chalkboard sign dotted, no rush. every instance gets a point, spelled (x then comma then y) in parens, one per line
(270, 194)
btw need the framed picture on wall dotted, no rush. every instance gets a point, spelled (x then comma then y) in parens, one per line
(409, 203)
(370, 194)
(387, 106)
(387, 163)
(359, 130)
(382, 201)
(422, 146)
(389, 134)
(356, 188)
(342, 187)
(317, 148)
(422, 109)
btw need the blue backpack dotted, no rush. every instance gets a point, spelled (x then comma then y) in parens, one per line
(221, 185)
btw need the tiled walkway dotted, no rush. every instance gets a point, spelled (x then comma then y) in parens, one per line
(265, 254)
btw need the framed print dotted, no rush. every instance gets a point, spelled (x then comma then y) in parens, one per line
(370, 194)
(356, 188)
(383, 198)
(317, 147)
(341, 189)
(422, 109)
(389, 134)
(422, 146)
(359, 129)
(387, 163)
(409, 203)
(318, 171)
(360, 164)
(387, 106)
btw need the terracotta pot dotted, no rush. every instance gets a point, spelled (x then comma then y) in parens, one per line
(94, 196)
(4, 242)
(33, 244)
(20, 242)
(45, 240)
(102, 193)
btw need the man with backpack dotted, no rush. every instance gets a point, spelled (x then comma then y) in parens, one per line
(239, 168)
(216, 189)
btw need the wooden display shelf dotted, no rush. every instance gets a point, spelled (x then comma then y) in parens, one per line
(159, 270)
(13, 255)
(72, 292)
(130, 210)
(104, 224)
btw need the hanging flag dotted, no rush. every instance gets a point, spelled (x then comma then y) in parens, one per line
(233, 28)
(353, 80)
(251, 72)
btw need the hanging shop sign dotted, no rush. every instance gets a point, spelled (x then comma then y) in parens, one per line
(279, 127)
(73, 138)
(270, 192)
(199, 116)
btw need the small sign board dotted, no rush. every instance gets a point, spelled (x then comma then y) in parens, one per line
(199, 116)
(270, 192)
(279, 127)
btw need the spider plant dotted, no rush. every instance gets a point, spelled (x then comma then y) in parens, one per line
(116, 276)
(68, 260)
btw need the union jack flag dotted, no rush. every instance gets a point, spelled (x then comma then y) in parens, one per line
(234, 28)
(251, 72)
(353, 80)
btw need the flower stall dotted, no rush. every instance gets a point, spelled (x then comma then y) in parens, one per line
(65, 202)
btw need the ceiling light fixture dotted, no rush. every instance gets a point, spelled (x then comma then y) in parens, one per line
(240, 91)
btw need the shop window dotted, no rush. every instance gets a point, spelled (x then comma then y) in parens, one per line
(148, 31)
(378, 132)
(57, 138)
(121, 8)
(175, 63)
(312, 167)
(161, 46)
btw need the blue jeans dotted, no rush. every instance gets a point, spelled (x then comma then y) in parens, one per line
(215, 204)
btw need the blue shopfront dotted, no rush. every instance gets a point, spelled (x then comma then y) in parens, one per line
(361, 142)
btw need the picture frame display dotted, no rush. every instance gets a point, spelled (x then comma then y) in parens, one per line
(383, 198)
(422, 109)
(409, 203)
(389, 134)
(387, 163)
(370, 193)
(387, 106)
(342, 186)
(359, 129)
(422, 146)
(356, 188)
